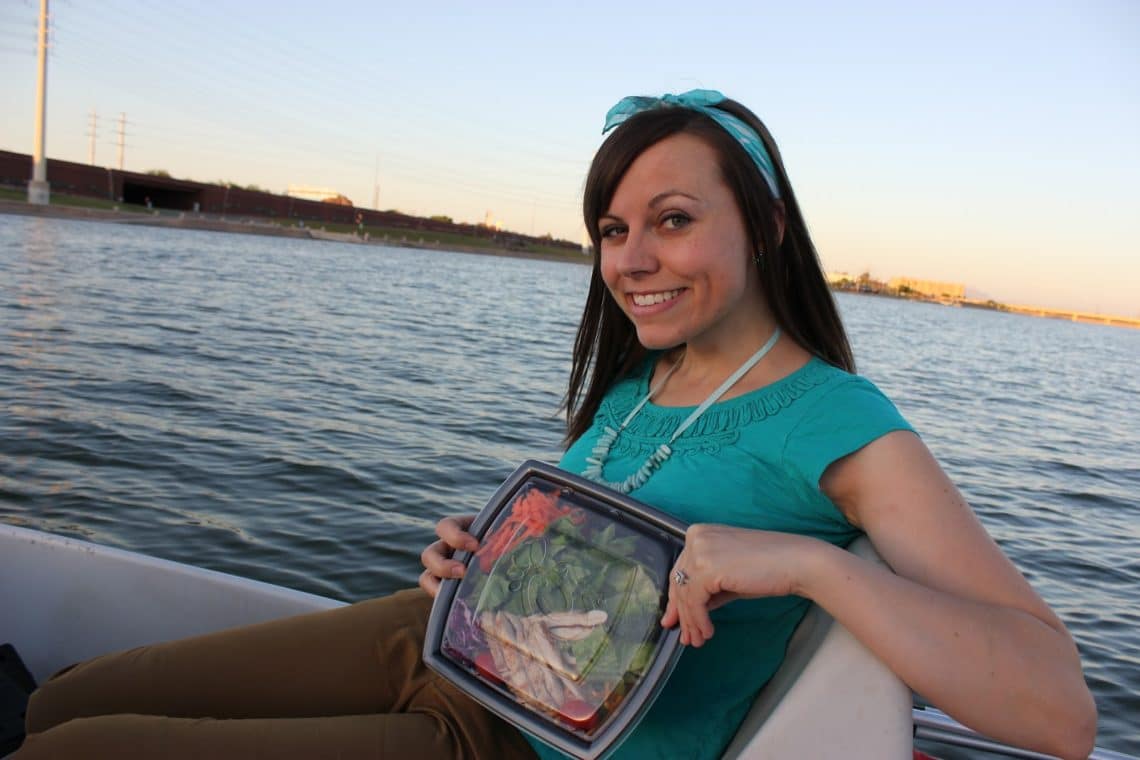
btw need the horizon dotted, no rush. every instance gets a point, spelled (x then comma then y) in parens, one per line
(990, 146)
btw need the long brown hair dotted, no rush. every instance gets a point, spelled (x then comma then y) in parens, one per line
(606, 347)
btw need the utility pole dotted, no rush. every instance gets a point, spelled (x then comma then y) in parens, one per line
(376, 186)
(91, 141)
(122, 136)
(39, 192)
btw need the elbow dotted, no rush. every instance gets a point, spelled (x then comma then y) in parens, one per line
(1076, 738)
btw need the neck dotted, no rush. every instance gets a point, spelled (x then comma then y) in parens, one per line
(693, 376)
(710, 361)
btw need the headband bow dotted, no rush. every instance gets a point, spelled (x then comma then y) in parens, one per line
(702, 101)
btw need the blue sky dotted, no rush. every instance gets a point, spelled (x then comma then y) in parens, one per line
(987, 143)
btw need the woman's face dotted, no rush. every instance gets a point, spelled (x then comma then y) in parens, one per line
(675, 253)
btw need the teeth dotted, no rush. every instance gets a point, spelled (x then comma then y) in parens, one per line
(648, 299)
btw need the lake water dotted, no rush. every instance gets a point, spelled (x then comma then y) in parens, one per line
(303, 412)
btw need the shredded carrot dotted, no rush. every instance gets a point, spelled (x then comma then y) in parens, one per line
(530, 516)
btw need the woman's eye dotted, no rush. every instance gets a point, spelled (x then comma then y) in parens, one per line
(612, 230)
(676, 221)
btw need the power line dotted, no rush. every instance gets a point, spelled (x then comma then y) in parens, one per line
(296, 130)
(255, 68)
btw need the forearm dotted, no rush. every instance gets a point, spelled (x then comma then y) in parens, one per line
(997, 669)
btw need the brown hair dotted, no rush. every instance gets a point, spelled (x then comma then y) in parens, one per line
(606, 347)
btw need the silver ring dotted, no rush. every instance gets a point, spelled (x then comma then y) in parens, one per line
(680, 577)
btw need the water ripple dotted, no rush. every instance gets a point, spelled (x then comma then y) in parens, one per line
(304, 412)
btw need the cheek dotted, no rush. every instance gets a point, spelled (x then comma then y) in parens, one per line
(608, 271)
(716, 265)
(746, 290)
(730, 276)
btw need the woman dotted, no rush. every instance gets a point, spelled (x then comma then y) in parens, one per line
(704, 257)
(706, 293)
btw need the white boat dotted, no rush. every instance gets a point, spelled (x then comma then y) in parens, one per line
(63, 600)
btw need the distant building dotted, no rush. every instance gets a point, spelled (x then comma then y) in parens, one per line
(834, 278)
(491, 223)
(317, 194)
(930, 288)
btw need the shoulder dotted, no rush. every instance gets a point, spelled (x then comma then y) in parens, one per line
(844, 413)
(840, 395)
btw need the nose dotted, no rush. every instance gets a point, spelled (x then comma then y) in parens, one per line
(637, 254)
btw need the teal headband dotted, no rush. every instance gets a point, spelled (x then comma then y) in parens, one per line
(702, 101)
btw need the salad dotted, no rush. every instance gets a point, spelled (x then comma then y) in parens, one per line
(560, 607)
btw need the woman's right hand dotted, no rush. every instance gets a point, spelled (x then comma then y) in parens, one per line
(436, 558)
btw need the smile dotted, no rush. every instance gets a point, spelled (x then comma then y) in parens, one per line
(649, 299)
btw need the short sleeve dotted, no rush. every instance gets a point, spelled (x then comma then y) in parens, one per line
(843, 420)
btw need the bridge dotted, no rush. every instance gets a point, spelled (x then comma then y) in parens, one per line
(1075, 316)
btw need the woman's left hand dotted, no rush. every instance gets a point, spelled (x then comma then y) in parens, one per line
(721, 563)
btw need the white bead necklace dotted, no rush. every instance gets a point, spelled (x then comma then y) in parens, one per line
(601, 451)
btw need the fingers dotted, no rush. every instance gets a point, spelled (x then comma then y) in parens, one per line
(688, 604)
(693, 616)
(700, 624)
(429, 583)
(436, 557)
(453, 532)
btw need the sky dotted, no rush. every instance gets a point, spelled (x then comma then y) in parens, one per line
(988, 143)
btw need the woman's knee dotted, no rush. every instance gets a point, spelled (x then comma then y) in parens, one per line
(69, 693)
(95, 737)
(46, 705)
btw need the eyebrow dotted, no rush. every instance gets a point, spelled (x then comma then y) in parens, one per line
(656, 201)
(660, 197)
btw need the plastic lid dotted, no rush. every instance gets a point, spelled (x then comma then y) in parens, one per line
(556, 624)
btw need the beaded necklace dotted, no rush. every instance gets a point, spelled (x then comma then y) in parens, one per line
(601, 451)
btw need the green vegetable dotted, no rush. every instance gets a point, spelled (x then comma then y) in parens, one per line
(574, 567)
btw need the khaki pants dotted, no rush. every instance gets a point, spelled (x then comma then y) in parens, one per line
(345, 683)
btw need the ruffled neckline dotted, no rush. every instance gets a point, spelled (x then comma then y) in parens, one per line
(655, 421)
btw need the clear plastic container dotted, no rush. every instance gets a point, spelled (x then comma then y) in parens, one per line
(556, 624)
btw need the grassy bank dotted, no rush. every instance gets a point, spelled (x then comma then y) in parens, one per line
(443, 240)
(506, 245)
(72, 201)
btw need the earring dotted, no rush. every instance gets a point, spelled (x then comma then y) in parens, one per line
(758, 259)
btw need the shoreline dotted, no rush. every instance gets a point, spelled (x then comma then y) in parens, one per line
(251, 226)
(1066, 315)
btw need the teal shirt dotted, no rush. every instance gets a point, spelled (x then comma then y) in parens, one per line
(753, 461)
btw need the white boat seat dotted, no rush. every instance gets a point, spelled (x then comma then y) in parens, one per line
(830, 698)
(63, 600)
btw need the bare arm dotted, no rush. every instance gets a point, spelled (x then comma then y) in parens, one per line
(956, 621)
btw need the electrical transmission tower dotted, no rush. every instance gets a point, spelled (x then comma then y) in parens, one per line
(92, 131)
(122, 137)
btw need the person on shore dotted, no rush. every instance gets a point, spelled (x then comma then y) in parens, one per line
(711, 378)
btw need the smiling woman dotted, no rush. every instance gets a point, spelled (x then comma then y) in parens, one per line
(704, 259)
